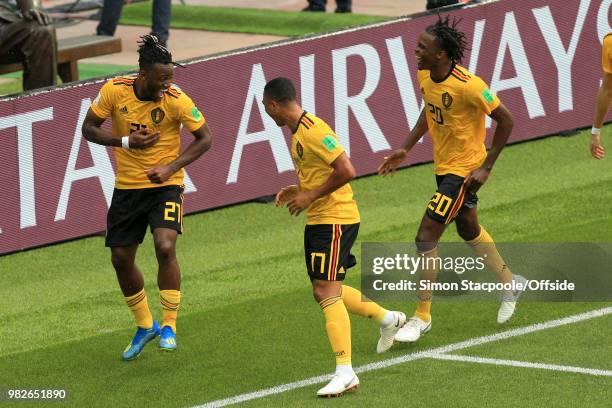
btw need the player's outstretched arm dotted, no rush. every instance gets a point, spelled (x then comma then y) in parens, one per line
(604, 100)
(202, 142)
(342, 174)
(140, 139)
(391, 162)
(502, 116)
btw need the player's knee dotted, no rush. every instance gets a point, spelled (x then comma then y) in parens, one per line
(466, 230)
(425, 241)
(465, 234)
(121, 261)
(424, 237)
(419, 238)
(319, 290)
(317, 293)
(165, 248)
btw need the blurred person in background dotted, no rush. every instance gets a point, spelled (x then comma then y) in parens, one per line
(27, 36)
(160, 26)
(434, 4)
(342, 6)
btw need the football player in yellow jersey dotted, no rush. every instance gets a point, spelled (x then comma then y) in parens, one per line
(456, 103)
(604, 98)
(324, 170)
(147, 111)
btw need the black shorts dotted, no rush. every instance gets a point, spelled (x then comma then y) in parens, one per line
(131, 211)
(327, 249)
(449, 199)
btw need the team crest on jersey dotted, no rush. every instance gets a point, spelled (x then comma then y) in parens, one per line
(447, 100)
(300, 149)
(157, 115)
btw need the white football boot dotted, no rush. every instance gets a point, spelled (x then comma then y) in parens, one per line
(412, 330)
(509, 299)
(338, 385)
(387, 333)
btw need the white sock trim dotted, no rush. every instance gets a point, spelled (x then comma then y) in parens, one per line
(388, 319)
(345, 370)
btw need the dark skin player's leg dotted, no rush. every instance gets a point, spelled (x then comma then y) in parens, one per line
(169, 273)
(427, 238)
(467, 224)
(128, 274)
(429, 234)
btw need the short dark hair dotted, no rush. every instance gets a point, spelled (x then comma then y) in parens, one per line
(151, 52)
(451, 40)
(280, 90)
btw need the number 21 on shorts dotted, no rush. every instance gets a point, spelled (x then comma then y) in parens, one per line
(173, 212)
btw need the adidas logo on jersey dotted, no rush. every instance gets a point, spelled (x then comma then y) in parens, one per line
(124, 110)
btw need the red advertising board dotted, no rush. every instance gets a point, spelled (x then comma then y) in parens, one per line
(542, 57)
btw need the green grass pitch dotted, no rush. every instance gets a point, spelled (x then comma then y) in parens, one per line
(248, 20)
(248, 320)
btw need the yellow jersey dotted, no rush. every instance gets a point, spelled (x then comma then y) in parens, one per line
(455, 109)
(606, 54)
(314, 147)
(118, 101)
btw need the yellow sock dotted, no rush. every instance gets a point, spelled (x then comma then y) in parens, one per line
(423, 310)
(140, 308)
(170, 300)
(352, 299)
(338, 328)
(427, 271)
(484, 244)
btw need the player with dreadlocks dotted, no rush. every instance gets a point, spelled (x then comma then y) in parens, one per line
(456, 102)
(147, 112)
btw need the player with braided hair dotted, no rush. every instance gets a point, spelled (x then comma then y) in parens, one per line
(451, 40)
(456, 102)
(147, 112)
(152, 51)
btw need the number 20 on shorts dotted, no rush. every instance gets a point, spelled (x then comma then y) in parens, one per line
(440, 204)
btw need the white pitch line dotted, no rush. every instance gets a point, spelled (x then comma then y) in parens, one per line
(412, 356)
(526, 364)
